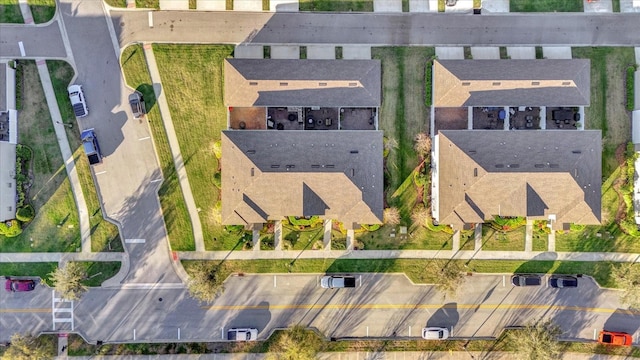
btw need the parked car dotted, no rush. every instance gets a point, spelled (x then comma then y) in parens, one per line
(614, 338)
(91, 147)
(76, 95)
(526, 280)
(435, 333)
(335, 282)
(136, 101)
(248, 334)
(563, 282)
(18, 285)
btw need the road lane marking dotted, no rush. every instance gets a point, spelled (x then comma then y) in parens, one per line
(135, 241)
(21, 46)
(503, 280)
(144, 138)
(178, 333)
(222, 333)
(594, 334)
(415, 306)
(134, 334)
(150, 19)
(100, 173)
(274, 281)
(367, 331)
(156, 180)
(409, 331)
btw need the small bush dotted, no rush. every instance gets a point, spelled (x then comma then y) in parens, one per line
(217, 149)
(10, 228)
(311, 222)
(25, 213)
(373, 227)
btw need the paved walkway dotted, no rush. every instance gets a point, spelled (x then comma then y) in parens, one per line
(409, 254)
(406, 355)
(175, 147)
(57, 257)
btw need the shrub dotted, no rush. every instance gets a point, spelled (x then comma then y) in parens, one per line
(25, 213)
(311, 222)
(630, 87)
(391, 216)
(373, 227)
(217, 180)
(508, 223)
(217, 149)
(427, 82)
(10, 228)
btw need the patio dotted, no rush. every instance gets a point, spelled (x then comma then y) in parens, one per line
(357, 119)
(488, 118)
(451, 119)
(282, 118)
(249, 118)
(524, 118)
(562, 118)
(321, 119)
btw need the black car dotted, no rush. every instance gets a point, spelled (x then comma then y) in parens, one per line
(526, 280)
(563, 282)
(137, 105)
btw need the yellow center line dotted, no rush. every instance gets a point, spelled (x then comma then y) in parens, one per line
(44, 310)
(411, 306)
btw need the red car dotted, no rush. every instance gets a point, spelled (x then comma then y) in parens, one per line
(614, 338)
(13, 285)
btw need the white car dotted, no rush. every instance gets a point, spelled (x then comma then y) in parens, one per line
(242, 334)
(78, 101)
(435, 333)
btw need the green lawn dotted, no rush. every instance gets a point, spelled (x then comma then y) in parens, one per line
(99, 271)
(148, 4)
(40, 269)
(174, 209)
(55, 227)
(198, 109)
(117, 3)
(546, 6)
(104, 235)
(10, 12)
(420, 238)
(403, 114)
(42, 10)
(416, 269)
(308, 239)
(336, 5)
(608, 93)
(503, 241)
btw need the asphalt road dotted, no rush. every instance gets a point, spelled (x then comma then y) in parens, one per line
(384, 306)
(551, 29)
(41, 41)
(129, 177)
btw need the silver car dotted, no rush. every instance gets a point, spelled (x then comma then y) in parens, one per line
(435, 333)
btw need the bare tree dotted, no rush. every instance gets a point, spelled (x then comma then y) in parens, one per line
(627, 277)
(451, 276)
(67, 280)
(422, 144)
(391, 216)
(28, 347)
(205, 282)
(536, 341)
(296, 343)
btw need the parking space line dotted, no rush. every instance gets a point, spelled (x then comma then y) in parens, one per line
(101, 172)
(134, 241)
(503, 280)
(156, 180)
(274, 281)
(144, 138)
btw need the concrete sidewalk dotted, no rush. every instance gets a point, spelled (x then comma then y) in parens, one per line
(175, 147)
(409, 254)
(57, 257)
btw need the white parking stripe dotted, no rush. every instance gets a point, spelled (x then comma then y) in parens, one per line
(100, 173)
(156, 180)
(134, 241)
(144, 138)
(21, 46)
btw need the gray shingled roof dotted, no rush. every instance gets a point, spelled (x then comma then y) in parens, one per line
(483, 173)
(545, 82)
(327, 83)
(269, 174)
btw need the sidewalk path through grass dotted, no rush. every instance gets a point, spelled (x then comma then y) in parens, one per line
(175, 147)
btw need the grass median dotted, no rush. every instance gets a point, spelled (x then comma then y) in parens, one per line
(42, 10)
(416, 269)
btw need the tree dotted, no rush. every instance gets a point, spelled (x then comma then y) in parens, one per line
(67, 280)
(205, 282)
(28, 347)
(391, 216)
(451, 276)
(296, 343)
(536, 341)
(422, 145)
(627, 277)
(420, 215)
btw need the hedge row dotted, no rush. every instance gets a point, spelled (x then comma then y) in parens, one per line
(631, 70)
